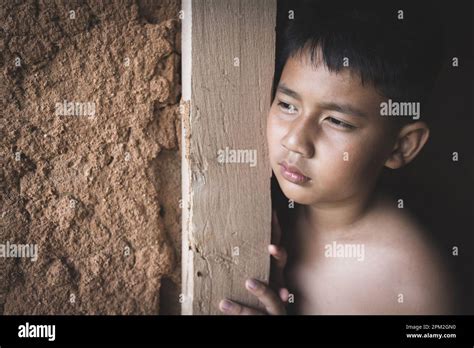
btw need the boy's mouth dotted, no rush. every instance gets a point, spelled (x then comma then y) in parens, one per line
(292, 173)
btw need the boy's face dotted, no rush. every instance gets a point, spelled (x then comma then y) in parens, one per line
(328, 125)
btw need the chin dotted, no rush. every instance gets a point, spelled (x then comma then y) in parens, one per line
(297, 194)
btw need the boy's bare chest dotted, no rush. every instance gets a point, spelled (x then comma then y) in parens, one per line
(323, 286)
(316, 273)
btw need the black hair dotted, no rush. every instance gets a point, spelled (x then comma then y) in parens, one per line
(400, 57)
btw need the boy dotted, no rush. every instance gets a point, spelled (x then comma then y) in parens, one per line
(347, 105)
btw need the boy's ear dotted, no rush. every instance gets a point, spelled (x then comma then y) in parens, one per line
(410, 141)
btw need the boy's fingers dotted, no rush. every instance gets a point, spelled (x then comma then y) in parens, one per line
(278, 265)
(269, 299)
(284, 294)
(279, 254)
(276, 230)
(234, 308)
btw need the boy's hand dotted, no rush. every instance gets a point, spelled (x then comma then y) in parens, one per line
(274, 302)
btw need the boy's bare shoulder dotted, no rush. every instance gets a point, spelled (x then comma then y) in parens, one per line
(404, 273)
(400, 272)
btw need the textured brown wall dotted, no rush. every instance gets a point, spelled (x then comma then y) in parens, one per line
(116, 247)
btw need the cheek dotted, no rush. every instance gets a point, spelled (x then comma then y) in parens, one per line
(332, 170)
(274, 134)
(369, 152)
(342, 161)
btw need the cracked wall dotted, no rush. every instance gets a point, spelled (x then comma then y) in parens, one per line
(98, 194)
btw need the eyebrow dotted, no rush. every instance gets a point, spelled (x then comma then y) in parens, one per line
(285, 90)
(342, 108)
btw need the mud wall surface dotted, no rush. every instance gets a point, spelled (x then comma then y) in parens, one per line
(90, 157)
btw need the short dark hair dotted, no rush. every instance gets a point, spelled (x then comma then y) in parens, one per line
(401, 58)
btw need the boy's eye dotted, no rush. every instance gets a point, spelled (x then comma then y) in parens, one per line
(289, 108)
(339, 123)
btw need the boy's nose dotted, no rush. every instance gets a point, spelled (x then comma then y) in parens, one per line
(300, 137)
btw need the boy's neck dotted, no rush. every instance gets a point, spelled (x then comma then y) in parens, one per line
(333, 219)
